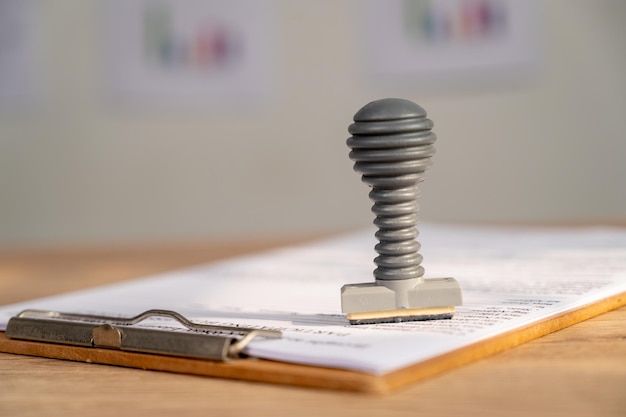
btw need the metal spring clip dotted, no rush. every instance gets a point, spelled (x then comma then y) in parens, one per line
(204, 342)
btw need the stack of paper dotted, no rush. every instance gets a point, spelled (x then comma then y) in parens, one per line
(511, 278)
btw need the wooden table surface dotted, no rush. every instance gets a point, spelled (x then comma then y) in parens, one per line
(578, 371)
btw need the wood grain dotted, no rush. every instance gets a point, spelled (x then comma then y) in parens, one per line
(578, 371)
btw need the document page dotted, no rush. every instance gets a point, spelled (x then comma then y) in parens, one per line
(510, 278)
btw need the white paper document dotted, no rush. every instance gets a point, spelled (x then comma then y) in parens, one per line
(510, 278)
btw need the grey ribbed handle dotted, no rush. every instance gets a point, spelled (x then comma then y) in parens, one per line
(392, 144)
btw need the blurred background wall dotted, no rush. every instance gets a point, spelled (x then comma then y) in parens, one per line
(78, 167)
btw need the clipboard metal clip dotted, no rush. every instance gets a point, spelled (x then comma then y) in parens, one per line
(203, 342)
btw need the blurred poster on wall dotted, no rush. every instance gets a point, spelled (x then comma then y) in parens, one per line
(188, 52)
(20, 81)
(442, 44)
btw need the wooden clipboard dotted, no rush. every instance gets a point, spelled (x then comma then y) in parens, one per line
(260, 370)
